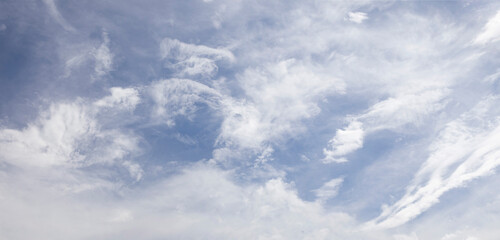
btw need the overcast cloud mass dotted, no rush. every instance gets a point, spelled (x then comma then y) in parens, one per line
(234, 119)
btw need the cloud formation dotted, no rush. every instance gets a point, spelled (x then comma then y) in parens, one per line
(357, 17)
(249, 120)
(490, 31)
(190, 59)
(344, 142)
(54, 12)
(466, 149)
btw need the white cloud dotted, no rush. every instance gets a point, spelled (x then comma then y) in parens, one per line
(3, 27)
(473, 213)
(413, 236)
(277, 98)
(458, 235)
(134, 170)
(99, 57)
(345, 141)
(51, 140)
(178, 97)
(70, 135)
(329, 189)
(218, 17)
(304, 158)
(405, 92)
(103, 57)
(357, 17)
(468, 148)
(292, 60)
(122, 215)
(199, 202)
(126, 98)
(175, 49)
(265, 156)
(493, 77)
(491, 31)
(51, 5)
(190, 59)
(405, 108)
(74, 62)
(185, 139)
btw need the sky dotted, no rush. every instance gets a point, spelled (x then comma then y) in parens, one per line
(234, 119)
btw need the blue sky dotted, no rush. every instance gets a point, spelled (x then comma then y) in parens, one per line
(249, 119)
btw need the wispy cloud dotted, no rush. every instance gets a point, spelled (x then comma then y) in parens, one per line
(178, 97)
(99, 57)
(277, 100)
(103, 57)
(467, 148)
(190, 59)
(54, 12)
(491, 32)
(329, 189)
(127, 98)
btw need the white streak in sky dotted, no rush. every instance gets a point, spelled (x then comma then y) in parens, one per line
(51, 5)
